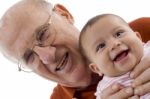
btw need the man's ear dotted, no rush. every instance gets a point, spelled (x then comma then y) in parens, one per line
(64, 12)
(95, 69)
(138, 35)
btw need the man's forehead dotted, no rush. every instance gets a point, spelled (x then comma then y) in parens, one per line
(28, 10)
(18, 30)
(19, 21)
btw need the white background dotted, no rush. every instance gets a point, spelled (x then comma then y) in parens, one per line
(20, 85)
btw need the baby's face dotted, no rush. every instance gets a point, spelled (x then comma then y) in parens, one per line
(112, 46)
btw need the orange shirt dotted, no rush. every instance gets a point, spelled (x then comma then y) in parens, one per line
(61, 92)
(142, 25)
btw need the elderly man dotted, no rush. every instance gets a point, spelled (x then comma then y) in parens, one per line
(44, 40)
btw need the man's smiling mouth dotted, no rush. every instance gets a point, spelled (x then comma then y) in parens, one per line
(63, 62)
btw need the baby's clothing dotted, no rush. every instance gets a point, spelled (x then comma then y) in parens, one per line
(123, 79)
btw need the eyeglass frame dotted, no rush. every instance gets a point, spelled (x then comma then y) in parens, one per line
(49, 22)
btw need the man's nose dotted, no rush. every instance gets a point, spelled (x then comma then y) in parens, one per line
(46, 54)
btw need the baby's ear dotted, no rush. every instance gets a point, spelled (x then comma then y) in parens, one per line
(138, 35)
(95, 68)
(64, 12)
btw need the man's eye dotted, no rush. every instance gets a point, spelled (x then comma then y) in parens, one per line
(29, 57)
(42, 34)
(100, 46)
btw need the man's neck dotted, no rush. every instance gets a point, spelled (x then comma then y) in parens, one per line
(94, 81)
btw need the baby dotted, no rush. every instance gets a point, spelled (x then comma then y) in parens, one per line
(113, 50)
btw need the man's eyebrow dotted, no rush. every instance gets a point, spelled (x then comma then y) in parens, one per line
(39, 28)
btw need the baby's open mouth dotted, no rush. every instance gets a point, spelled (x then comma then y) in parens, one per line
(121, 55)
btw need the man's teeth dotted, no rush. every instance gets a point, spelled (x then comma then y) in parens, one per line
(62, 63)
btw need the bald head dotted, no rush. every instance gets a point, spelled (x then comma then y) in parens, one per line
(24, 9)
(18, 18)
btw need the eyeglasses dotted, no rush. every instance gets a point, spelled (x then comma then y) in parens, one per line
(44, 36)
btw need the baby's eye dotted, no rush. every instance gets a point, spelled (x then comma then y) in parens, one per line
(118, 34)
(100, 46)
